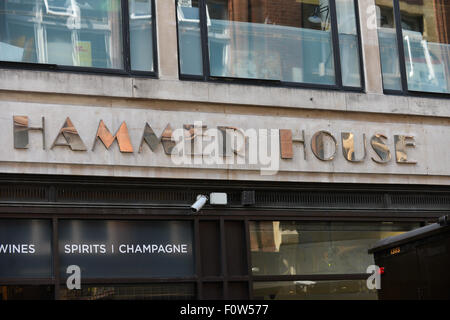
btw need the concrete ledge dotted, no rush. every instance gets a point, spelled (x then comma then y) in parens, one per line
(217, 174)
(209, 92)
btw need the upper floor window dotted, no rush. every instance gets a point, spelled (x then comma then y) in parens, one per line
(101, 35)
(293, 42)
(414, 39)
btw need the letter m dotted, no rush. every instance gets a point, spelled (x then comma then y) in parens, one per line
(122, 136)
(152, 140)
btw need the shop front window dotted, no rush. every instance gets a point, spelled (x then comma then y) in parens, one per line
(25, 249)
(77, 33)
(301, 248)
(126, 249)
(287, 42)
(315, 260)
(420, 62)
(159, 291)
(313, 290)
(41, 292)
(111, 259)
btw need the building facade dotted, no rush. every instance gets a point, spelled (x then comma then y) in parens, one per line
(314, 128)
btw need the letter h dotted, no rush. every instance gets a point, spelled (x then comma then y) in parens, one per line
(21, 128)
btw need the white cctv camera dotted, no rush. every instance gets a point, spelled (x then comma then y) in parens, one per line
(198, 205)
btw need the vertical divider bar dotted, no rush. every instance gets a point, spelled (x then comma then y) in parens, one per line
(336, 48)
(55, 250)
(223, 255)
(126, 36)
(360, 51)
(204, 38)
(154, 39)
(249, 259)
(198, 265)
(178, 39)
(401, 48)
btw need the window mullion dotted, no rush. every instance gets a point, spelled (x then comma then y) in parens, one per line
(336, 48)
(155, 39)
(204, 38)
(55, 250)
(126, 36)
(360, 50)
(401, 48)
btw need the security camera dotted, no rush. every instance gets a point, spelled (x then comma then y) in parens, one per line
(198, 205)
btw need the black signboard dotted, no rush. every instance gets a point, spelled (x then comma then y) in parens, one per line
(25, 249)
(126, 249)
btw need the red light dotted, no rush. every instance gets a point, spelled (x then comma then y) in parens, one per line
(381, 270)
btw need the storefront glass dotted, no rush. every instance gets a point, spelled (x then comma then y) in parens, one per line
(159, 291)
(25, 249)
(27, 292)
(126, 249)
(303, 248)
(155, 259)
(313, 290)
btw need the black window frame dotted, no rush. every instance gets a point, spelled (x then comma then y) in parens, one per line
(198, 280)
(401, 55)
(206, 77)
(126, 54)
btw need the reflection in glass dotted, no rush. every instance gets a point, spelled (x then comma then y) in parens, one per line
(85, 33)
(189, 38)
(426, 38)
(348, 43)
(313, 290)
(303, 248)
(141, 41)
(157, 291)
(265, 40)
(27, 293)
(387, 37)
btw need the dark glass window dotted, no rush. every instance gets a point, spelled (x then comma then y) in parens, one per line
(126, 249)
(27, 292)
(25, 249)
(421, 60)
(156, 291)
(313, 290)
(82, 33)
(282, 41)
